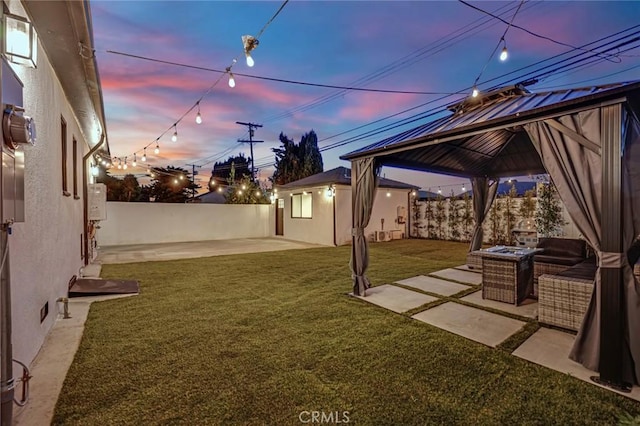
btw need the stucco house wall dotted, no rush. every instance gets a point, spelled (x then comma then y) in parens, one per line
(45, 250)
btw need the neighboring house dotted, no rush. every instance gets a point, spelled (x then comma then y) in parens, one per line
(317, 209)
(50, 240)
(211, 197)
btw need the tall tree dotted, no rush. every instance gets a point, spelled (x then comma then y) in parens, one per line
(297, 161)
(548, 214)
(171, 185)
(125, 189)
(221, 170)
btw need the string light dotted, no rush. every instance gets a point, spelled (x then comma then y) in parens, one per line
(504, 54)
(198, 116)
(144, 155)
(124, 166)
(463, 188)
(474, 92)
(119, 164)
(439, 190)
(134, 163)
(249, 43)
(175, 181)
(174, 138)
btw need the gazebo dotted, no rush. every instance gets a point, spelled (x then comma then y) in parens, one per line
(588, 141)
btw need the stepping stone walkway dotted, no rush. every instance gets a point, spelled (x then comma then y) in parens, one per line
(528, 308)
(471, 278)
(396, 299)
(433, 285)
(472, 323)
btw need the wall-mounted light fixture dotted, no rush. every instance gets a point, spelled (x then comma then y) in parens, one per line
(20, 45)
(330, 192)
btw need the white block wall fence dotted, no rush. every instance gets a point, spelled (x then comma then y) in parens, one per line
(150, 223)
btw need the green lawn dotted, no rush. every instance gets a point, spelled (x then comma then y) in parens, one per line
(260, 338)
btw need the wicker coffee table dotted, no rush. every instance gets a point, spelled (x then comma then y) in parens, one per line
(507, 273)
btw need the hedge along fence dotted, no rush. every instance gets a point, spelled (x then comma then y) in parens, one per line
(451, 218)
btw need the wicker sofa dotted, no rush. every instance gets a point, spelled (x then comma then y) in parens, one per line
(559, 255)
(564, 297)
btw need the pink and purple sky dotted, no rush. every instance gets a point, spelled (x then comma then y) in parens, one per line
(326, 42)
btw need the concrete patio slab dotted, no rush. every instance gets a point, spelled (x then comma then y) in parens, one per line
(193, 249)
(551, 348)
(471, 278)
(433, 285)
(465, 268)
(472, 323)
(395, 298)
(528, 308)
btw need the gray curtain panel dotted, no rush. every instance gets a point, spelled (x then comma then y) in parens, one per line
(364, 183)
(484, 193)
(566, 146)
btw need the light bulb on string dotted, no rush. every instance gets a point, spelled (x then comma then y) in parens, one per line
(504, 54)
(475, 92)
(232, 81)
(439, 190)
(463, 188)
(134, 162)
(144, 155)
(157, 149)
(181, 177)
(124, 166)
(249, 43)
(198, 115)
(119, 164)
(174, 138)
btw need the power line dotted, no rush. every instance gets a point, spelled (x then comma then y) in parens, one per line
(279, 80)
(528, 31)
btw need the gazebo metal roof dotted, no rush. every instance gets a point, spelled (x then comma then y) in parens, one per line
(484, 136)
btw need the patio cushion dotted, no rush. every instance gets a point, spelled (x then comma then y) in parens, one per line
(557, 260)
(563, 247)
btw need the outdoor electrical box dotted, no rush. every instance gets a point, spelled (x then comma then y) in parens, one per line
(17, 130)
(97, 200)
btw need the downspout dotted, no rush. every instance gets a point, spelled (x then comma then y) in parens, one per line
(85, 195)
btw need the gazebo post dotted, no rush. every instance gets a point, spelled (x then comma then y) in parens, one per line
(611, 288)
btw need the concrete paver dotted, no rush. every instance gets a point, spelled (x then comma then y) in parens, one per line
(471, 278)
(395, 298)
(551, 348)
(528, 308)
(475, 324)
(434, 285)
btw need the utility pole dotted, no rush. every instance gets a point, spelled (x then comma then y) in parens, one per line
(194, 172)
(251, 127)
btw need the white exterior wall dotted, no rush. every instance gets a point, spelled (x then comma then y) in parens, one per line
(45, 249)
(319, 228)
(149, 223)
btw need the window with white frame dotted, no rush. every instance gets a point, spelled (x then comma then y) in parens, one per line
(301, 205)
